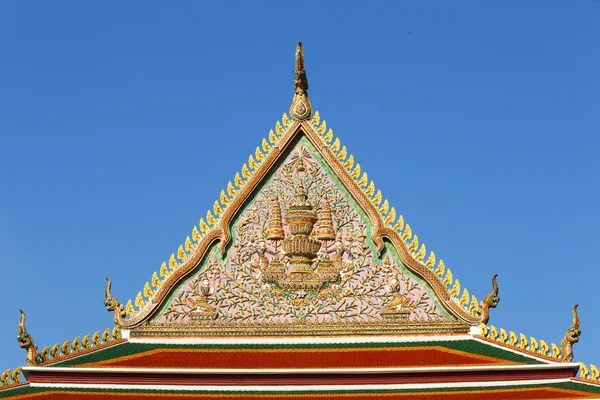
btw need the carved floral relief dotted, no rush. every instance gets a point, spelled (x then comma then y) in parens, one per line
(301, 253)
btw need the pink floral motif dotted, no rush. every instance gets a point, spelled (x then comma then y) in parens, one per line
(362, 291)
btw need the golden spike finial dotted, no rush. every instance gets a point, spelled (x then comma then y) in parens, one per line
(300, 110)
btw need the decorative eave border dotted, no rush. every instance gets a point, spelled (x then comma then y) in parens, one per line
(303, 371)
(297, 379)
(586, 377)
(533, 347)
(520, 343)
(11, 378)
(247, 330)
(57, 353)
(386, 227)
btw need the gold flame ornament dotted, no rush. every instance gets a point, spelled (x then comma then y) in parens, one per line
(300, 110)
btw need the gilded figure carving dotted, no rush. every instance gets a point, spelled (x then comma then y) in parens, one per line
(396, 309)
(203, 310)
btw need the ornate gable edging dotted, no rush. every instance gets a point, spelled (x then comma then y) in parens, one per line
(209, 232)
(220, 234)
(253, 184)
(383, 219)
(174, 279)
(381, 234)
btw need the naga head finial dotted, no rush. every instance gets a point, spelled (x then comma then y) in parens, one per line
(300, 110)
(492, 299)
(24, 338)
(571, 337)
(575, 317)
(574, 332)
(109, 301)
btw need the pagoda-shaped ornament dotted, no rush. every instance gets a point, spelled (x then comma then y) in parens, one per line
(274, 225)
(274, 270)
(325, 229)
(301, 248)
(326, 233)
(305, 249)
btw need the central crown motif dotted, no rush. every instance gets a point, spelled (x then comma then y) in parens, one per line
(307, 266)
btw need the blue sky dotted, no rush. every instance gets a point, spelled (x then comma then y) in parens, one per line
(120, 124)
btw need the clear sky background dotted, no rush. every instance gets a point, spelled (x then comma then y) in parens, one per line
(121, 122)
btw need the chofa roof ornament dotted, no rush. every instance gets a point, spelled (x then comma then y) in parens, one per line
(300, 110)
(491, 300)
(571, 337)
(112, 305)
(26, 341)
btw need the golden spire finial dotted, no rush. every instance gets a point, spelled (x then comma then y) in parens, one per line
(300, 110)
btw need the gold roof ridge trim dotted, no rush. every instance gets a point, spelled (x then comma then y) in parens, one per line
(58, 352)
(438, 276)
(79, 346)
(10, 378)
(207, 224)
(589, 374)
(531, 346)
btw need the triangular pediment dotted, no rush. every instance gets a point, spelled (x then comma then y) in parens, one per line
(299, 243)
